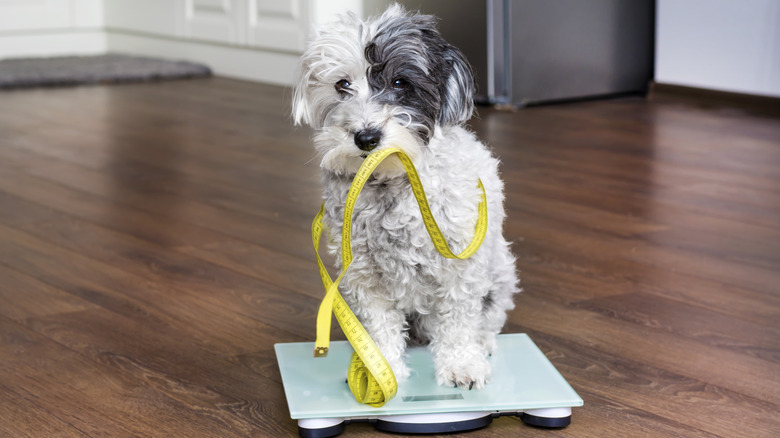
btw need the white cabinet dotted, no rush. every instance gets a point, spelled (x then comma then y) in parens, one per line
(249, 39)
(280, 25)
(268, 24)
(217, 21)
(153, 17)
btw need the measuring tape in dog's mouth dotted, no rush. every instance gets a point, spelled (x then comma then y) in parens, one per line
(370, 377)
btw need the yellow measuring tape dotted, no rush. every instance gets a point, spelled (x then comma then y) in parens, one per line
(369, 375)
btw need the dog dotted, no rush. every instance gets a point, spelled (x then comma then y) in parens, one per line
(392, 81)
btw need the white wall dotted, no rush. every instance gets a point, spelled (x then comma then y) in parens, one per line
(727, 45)
(51, 27)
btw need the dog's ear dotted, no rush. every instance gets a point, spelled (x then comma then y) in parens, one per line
(301, 109)
(457, 104)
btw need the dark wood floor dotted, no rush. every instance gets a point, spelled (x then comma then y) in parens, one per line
(154, 245)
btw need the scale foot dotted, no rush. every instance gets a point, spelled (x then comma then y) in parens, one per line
(555, 418)
(320, 427)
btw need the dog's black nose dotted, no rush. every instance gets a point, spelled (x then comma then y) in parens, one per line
(368, 139)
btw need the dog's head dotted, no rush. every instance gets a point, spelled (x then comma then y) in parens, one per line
(390, 80)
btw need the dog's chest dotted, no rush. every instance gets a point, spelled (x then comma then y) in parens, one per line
(389, 239)
(386, 222)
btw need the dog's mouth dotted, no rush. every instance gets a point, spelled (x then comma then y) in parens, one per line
(364, 155)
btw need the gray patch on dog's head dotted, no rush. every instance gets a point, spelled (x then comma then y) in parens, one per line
(412, 66)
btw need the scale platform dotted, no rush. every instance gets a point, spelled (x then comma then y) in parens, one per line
(524, 384)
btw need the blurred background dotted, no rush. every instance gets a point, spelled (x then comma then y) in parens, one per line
(524, 52)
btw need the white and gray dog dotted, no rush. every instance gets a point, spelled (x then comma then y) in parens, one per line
(393, 81)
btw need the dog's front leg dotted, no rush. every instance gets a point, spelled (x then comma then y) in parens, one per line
(386, 325)
(460, 359)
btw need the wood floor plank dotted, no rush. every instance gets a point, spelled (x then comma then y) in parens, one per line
(681, 203)
(163, 166)
(178, 221)
(109, 212)
(14, 210)
(691, 359)
(577, 245)
(280, 269)
(558, 281)
(211, 385)
(171, 297)
(93, 398)
(22, 417)
(23, 296)
(636, 394)
(162, 266)
(574, 266)
(708, 327)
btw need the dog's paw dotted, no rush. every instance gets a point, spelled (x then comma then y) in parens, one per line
(400, 370)
(472, 374)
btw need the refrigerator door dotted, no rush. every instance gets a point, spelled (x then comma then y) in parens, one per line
(570, 49)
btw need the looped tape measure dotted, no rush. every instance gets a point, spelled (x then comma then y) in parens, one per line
(370, 377)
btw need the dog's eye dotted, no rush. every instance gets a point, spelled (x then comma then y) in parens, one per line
(342, 85)
(400, 84)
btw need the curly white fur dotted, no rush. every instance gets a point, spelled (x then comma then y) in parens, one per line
(360, 75)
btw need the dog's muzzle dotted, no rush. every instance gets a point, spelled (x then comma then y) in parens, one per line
(368, 139)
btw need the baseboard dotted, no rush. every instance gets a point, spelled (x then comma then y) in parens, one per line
(246, 63)
(768, 105)
(52, 43)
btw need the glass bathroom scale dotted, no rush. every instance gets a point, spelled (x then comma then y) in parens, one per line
(524, 383)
